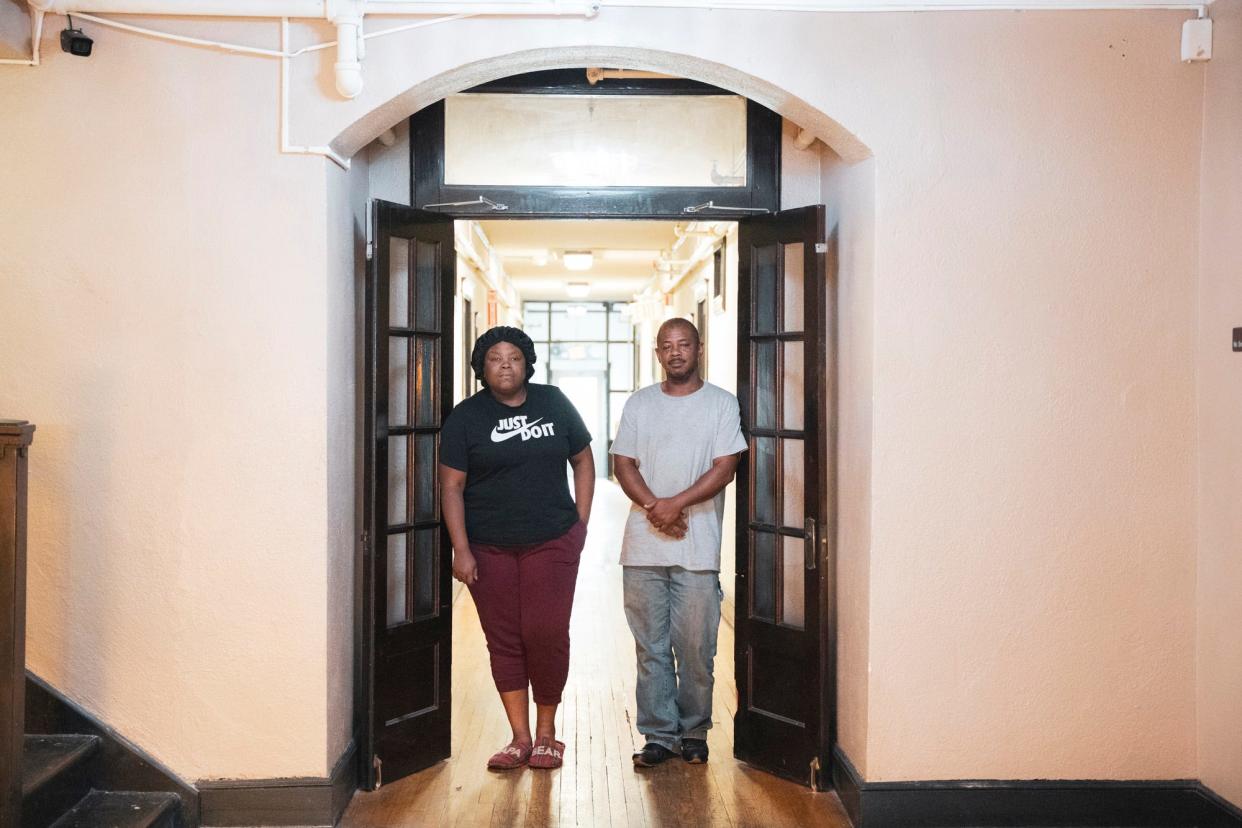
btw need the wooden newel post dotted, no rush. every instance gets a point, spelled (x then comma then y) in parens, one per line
(15, 438)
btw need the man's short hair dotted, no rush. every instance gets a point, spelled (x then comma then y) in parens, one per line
(679, 321)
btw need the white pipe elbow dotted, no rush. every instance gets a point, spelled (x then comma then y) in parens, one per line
(349, 79)
(348, 60)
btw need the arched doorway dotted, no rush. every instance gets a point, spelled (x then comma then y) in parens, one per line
(467, 75)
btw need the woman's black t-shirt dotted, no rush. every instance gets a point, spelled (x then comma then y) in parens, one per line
(517, 487)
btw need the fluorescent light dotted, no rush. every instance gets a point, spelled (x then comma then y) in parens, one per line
(578, 290)
(578, 259)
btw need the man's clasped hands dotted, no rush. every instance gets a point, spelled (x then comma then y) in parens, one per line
(667, 517)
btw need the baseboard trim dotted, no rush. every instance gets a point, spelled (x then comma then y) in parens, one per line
(120, 765)
(1222, 803)
(310, 801)
(1179, 803)
(848, 784)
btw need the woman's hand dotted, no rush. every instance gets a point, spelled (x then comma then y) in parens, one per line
(465, 568)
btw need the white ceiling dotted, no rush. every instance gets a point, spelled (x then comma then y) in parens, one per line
(625, 253)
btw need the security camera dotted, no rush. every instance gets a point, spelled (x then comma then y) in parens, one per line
(75, 42)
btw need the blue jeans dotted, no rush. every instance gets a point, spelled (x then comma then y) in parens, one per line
(674, 614)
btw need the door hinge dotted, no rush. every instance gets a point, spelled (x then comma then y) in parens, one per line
(815, 774)
(369, 229)
(378, 764)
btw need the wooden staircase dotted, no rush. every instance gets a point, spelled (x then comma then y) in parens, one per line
(49, 780)
(57, 790)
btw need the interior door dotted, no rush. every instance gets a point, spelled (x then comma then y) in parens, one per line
(407, 555)
(783, 721)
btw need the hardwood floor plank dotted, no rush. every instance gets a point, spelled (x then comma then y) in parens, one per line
(597, 787)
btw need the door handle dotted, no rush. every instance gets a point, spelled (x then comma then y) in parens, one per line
(812, 543)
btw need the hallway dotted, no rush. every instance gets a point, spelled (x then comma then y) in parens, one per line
(597, 786)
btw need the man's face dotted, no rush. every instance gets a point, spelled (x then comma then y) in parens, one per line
(678, 350)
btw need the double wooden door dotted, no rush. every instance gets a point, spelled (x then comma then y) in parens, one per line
(784, 664)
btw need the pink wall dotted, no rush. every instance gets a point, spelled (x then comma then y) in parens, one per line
(345, 232)
(1220, 401)
(164, 323)
(849, 195)
(1028, 603)
(1032, 531)
(1033, 536)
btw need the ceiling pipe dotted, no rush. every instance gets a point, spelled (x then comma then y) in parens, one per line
(36, 35)
(346, 15)
(890, 6)
(324, 8)
(191, 8)
(315, 9)
(349, 49)
(286, 146)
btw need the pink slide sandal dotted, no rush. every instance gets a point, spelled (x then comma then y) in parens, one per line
(512, 755)
(547, 753)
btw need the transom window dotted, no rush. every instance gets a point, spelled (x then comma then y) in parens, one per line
(552, 144)
(537, 140)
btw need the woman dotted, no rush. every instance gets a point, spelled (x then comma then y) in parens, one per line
(517, 533)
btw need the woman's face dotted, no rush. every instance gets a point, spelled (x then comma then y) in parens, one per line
(504, 368)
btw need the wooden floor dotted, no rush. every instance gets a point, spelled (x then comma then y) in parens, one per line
(598, 785)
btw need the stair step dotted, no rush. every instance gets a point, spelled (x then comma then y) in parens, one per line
(123, 809)
(46, 757)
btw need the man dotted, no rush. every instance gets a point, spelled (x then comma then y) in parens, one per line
(676, 449)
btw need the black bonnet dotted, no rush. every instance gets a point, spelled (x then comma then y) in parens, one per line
(502, 333)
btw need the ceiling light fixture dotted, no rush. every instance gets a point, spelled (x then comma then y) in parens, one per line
(578, 259)
(578, 290)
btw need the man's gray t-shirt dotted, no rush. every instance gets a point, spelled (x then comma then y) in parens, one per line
(675, 440)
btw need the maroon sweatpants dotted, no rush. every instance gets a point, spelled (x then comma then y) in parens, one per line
(524, 595)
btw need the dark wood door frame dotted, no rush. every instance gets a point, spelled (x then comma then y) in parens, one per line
(827, 414)
(762, 191)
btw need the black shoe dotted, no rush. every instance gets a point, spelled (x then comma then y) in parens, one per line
(652, 755)
(694, 751)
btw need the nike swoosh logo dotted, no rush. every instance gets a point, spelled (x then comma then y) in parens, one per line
(501, 436)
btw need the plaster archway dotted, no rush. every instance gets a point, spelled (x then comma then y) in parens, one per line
(849, 149)
(364, 130)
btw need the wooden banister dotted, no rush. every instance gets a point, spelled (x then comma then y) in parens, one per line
(15, 439)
